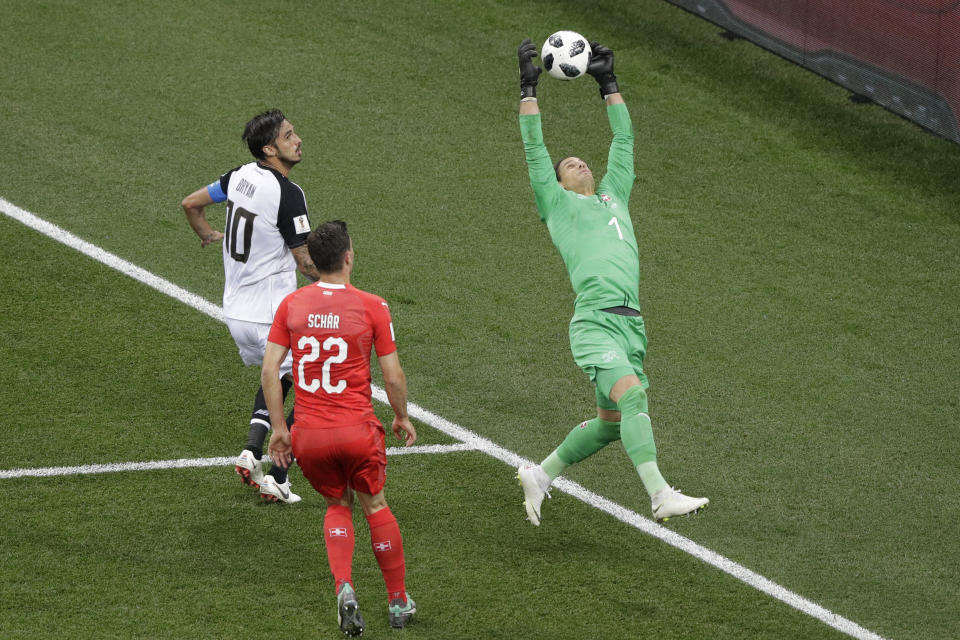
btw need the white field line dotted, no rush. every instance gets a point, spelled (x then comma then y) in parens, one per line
(185, 463)
(474, 441)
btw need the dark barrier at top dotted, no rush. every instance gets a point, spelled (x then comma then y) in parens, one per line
(901, 54)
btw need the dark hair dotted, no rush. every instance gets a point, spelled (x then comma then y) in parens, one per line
(262, 130)
(556, 166)
(328, 244)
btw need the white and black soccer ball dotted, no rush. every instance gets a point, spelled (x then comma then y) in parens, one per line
(565, 55)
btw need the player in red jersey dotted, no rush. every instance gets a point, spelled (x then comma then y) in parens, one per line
(336, 438)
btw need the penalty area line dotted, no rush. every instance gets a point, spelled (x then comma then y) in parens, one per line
(189, 463)
(474, 441)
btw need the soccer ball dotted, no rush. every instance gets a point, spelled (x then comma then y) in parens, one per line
(565, 55)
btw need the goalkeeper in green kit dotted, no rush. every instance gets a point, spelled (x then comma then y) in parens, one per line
(591, 227)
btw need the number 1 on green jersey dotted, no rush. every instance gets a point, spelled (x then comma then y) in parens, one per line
(614, 222)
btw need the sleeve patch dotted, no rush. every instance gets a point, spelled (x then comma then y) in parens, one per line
(301, 224)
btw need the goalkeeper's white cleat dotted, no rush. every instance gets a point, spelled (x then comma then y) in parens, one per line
(668, 502)
(536, 484)
(273, 491)
(249, 468)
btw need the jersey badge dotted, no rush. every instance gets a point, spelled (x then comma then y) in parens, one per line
(301, 224)
(605, 197)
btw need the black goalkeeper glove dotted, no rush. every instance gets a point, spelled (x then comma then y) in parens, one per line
(529, 74)
(601, 68)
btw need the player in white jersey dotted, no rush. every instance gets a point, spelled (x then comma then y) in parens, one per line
(264, 245)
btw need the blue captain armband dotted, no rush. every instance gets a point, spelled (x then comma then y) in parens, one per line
(215, 191)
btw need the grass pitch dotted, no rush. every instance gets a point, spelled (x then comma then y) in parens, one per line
(800, 288)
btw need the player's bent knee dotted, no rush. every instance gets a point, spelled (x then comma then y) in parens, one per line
(633, 400)
(622, 385)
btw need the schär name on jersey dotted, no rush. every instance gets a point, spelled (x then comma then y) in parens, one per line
(323, 321)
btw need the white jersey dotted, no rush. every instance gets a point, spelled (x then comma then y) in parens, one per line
(266, 217)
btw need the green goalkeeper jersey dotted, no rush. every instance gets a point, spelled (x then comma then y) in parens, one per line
(594, 234)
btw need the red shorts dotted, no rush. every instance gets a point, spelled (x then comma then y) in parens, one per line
(334, 458)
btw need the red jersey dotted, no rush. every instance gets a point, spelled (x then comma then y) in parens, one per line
(331, 329)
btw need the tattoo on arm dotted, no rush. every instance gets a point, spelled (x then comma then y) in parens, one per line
(305, 264)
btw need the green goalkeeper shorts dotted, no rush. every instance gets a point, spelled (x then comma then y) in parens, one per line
(607, 347)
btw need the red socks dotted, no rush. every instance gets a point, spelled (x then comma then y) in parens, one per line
(385, 539)
(338, 535)
(388, 548)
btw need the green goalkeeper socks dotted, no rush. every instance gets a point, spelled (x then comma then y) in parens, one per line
(636, 434)
(583, 441)
(651, 477)
(634, 430)
(553, 465)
